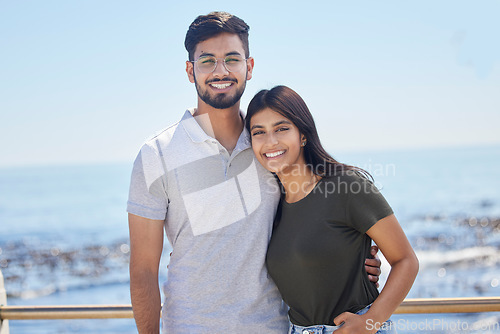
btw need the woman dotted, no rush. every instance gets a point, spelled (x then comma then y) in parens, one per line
(328, 214)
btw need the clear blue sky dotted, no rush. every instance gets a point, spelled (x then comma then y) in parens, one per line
(89, 81)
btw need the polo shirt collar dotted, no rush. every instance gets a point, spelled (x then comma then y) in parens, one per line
(197, 135)
(244, 141)
(192, 128)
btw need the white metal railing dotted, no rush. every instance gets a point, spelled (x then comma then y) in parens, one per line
(409, 306)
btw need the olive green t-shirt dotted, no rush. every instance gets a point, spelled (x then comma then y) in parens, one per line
(317, 251)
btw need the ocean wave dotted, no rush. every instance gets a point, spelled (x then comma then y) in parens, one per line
(34, 270)
(463, 258)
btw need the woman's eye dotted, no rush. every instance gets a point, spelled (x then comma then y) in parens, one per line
(257, 133)
(282, 129)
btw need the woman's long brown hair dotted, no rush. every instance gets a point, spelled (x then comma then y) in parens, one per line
(288, 103)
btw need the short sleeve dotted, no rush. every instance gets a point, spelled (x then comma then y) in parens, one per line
(365, 205)
(147, 193)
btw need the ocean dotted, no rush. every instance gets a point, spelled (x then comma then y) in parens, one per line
(64, 235)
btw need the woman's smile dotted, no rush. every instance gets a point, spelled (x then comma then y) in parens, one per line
(276, 141)
(275, 154)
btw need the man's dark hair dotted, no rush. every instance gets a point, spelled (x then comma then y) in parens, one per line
(213, 24)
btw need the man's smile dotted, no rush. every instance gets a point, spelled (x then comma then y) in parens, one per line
(221, 85)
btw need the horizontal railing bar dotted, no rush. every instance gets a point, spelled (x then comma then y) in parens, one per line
(409, 306)
(65, 312)
(449, 305)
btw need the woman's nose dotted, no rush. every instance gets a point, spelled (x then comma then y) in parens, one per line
(272, 140)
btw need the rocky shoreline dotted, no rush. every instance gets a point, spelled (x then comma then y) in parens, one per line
(32, 269)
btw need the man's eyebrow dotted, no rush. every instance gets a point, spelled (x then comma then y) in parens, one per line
(275, 124)
(233, 53)
(208, 54)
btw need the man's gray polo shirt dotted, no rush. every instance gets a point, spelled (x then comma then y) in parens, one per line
(218, 210)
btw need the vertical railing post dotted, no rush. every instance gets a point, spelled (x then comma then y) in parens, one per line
(4, 324)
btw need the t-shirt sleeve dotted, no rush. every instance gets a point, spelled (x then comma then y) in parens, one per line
(366, 205)
(147, 193)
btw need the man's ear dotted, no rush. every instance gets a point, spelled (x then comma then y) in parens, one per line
(250, 64)
(190, 71)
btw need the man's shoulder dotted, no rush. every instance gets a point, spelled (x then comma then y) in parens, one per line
(164, 137)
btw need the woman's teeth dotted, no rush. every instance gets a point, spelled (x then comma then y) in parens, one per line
(274, 154)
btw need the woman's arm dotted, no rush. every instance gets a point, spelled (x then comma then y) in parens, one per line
(389, 236)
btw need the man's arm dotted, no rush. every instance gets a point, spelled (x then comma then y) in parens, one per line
(372, 266)
(146, 245)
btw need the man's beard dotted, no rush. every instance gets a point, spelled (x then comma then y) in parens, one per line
(220, 101)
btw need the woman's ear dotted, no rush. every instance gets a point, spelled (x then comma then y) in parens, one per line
(303, 140)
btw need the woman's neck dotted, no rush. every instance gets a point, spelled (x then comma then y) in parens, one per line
(298, 182)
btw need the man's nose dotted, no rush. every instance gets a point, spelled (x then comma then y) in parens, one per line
(220, 68)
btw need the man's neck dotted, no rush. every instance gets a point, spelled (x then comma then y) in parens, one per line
(225, 125)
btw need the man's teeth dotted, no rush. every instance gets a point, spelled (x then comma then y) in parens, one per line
(220, 86)
(274, 154)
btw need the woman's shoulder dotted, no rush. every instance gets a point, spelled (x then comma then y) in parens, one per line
(344, 184)
(348, 176)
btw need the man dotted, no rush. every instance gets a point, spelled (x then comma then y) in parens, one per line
(199, 180)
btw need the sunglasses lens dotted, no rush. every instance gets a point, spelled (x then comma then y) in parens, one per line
(234, 63)
(207, 64)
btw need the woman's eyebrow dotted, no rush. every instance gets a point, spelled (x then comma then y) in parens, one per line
(275, 124)
(256, 126)
(282, 122)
